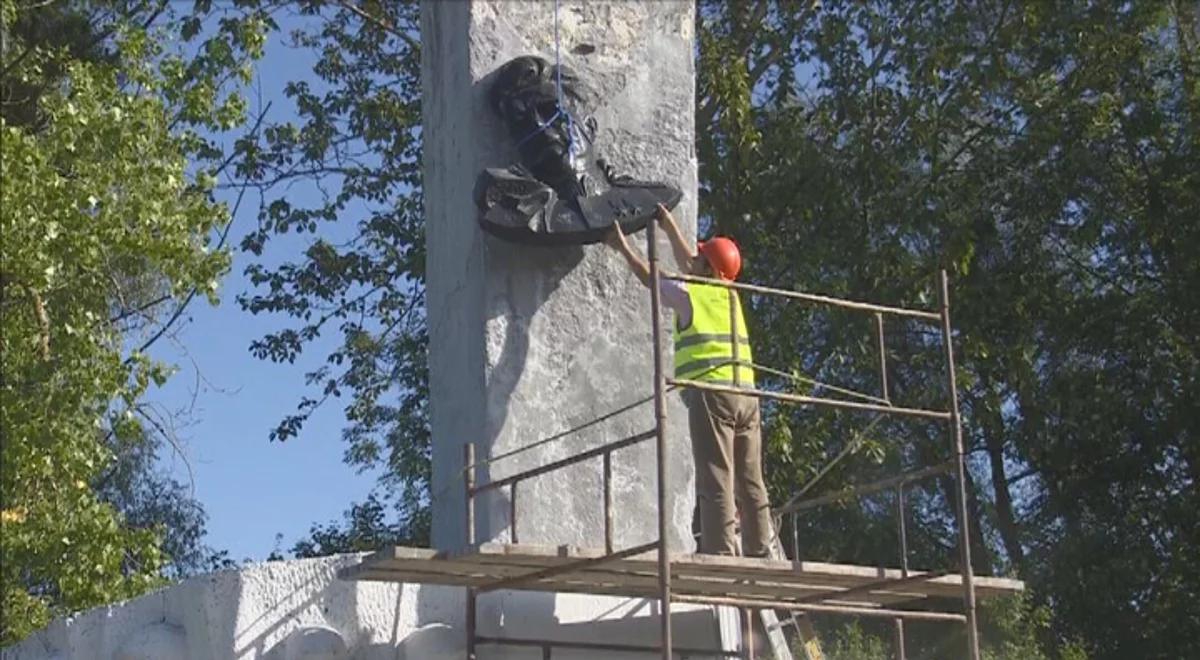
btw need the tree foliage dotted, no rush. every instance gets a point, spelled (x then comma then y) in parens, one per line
(358, 135)
(109, 228)
(1047, 157)
(147, 497)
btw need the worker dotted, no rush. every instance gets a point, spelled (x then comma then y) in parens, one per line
(725, 426)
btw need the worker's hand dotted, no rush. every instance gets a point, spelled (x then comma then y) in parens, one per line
(664, 216)
(616, 238)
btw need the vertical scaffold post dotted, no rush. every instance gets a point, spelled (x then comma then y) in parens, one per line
(469, 492)
(512, 513)
(660, 426)
(964, 524)
(471, 624)
(469, 537)
(901, 527)
(883, 379)
(608, 503)
(795, 536)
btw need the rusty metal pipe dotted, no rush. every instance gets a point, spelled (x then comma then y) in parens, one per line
(660, 428)
(810, 297)
(916, 615)
(602, 646)
(608, 503)
(570, 460)
(518, 581)
(964, 524)
(883, 376)
(817, 401)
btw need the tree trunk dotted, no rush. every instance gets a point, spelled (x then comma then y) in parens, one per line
(1006, 522)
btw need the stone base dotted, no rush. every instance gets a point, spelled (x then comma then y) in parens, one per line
(300, 610)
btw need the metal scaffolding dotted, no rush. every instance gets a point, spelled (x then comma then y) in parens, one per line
(651, 569)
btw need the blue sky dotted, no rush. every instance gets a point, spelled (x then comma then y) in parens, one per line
(250, 487)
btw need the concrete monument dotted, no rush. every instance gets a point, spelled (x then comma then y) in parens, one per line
(527, 342)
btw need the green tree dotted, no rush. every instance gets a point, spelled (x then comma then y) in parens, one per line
(1045, 155)
(360, 137)
(364, 527)
(146, 497)
(109, 230)
(1040, 154)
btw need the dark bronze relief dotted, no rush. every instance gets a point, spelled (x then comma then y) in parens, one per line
(548, 198)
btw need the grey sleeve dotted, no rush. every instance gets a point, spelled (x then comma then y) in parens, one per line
(674, 295)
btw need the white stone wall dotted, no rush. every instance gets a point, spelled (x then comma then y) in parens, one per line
(299, 610)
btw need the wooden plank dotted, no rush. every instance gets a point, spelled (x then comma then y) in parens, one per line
(702, 574)
(628, 589)
(630, 585)
(848, 575)
(701, 584)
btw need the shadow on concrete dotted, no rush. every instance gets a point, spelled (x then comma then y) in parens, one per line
(522, 279)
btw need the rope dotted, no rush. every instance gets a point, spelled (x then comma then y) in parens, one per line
(851, 447)
(560, 106)
(562, 434)
(817, 383)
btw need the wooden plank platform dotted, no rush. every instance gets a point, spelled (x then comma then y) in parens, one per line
(693, 576)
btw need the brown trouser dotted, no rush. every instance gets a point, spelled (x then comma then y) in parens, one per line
(727, 448)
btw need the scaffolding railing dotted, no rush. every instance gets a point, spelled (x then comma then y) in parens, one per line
(881, 405)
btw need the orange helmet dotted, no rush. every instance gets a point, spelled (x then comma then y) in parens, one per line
(723, 255)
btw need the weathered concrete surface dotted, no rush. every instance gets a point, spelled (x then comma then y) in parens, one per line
(277, 610)
(526, 342)
(299, 610)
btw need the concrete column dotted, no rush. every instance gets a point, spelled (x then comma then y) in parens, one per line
(526, 342)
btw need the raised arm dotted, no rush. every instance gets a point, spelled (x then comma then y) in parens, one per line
(617, 240)
(683, 250)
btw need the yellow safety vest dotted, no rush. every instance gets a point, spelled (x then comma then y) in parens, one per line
(704, 349)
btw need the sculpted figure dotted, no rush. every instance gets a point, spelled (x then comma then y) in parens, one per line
(548, 198)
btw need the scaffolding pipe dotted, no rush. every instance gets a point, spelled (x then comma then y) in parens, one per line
(663, 384)
(811, 297)
(660, 427)
(898, 624)
(608, 503)
(819, 401)
(964, 526)
(916, 615)
(469, 491)
(883, 379)
(570, 460)
(512, 512)
(469, 537)
(795, 535)
(518, 581)
(471, 623)
(881, 585)
(902, 528)
(545, 644)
